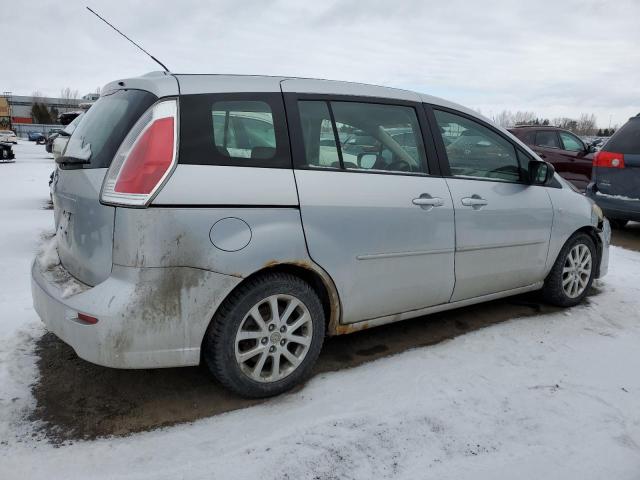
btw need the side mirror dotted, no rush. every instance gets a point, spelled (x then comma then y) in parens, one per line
(540, 173)
(367, 160)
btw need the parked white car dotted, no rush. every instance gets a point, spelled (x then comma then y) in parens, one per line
(8, 136)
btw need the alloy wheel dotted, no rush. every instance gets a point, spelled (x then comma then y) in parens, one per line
(576, 271)
(273, 338)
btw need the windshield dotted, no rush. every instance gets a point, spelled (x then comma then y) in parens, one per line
(97, 135)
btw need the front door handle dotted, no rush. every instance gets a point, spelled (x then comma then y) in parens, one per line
(475, 201)
(427, 202)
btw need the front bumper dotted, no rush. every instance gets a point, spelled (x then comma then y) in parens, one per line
(605, 242)
(147, 317)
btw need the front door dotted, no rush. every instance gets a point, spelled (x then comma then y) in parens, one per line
(503, 224)
(373, 217)
(577, 160)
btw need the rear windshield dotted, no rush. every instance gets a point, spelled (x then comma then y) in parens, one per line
(627, 139)
(98, 135)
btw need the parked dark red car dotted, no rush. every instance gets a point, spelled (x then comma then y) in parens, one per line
(570, 156)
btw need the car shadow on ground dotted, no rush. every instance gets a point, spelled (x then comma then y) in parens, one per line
(78, 400)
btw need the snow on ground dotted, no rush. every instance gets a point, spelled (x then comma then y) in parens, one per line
(554, 397)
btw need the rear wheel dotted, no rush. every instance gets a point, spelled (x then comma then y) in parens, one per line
(572, 274)
(266, 336)
(618, 223)
(5, 154)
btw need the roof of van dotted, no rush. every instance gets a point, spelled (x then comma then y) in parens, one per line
(161, 84)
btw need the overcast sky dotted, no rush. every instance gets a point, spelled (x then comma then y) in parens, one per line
(556, 58)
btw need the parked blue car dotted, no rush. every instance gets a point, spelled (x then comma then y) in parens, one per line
(35, 136)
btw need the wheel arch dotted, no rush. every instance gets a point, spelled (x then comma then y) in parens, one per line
(315, 276)
(592, 232)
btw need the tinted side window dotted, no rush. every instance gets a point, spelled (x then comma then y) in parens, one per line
(318, 135)
(476, 151)
(247, 130)
(379, 137)
(529, 138)
(546, 138)
(365, 136)
(627, 139)
(244, 129)
(571, 142)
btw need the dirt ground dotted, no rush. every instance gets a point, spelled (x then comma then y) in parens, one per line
(79, 400)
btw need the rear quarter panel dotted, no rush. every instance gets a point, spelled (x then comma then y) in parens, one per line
(179, 236)
(177, 229)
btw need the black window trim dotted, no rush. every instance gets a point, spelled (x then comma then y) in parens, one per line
(291, 99)
(336, 137)
(442, 152)
(209, 155)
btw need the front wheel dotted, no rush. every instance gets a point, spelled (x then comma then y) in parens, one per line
(572, 274)
(266, 336)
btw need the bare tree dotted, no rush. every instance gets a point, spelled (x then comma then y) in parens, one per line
(566, 123)
(524, 118)
(504, 119)
(68, 94)
(586, 124)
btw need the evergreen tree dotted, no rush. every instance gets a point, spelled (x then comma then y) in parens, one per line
(40, 113)
(53, 112)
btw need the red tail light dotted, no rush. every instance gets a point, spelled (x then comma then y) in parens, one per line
(145, 158)
(149, 159)
(608, 159)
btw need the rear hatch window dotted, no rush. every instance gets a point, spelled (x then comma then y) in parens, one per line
(627, 139)
(84, 226)
(97, 137)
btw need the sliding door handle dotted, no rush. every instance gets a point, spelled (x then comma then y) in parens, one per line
(434, 202)
(475, 201)
(426, 201)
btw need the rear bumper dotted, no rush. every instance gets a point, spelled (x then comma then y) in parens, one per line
(618, 207)
(147, 317)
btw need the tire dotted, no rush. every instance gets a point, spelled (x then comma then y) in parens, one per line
(260, 375)
(559, 284)
(618, 223)
(5, 154)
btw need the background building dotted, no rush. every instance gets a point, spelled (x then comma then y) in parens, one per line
(21, 106)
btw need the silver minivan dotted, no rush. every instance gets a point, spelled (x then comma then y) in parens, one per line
(238, 220)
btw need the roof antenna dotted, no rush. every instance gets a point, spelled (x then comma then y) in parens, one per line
(152, 57)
